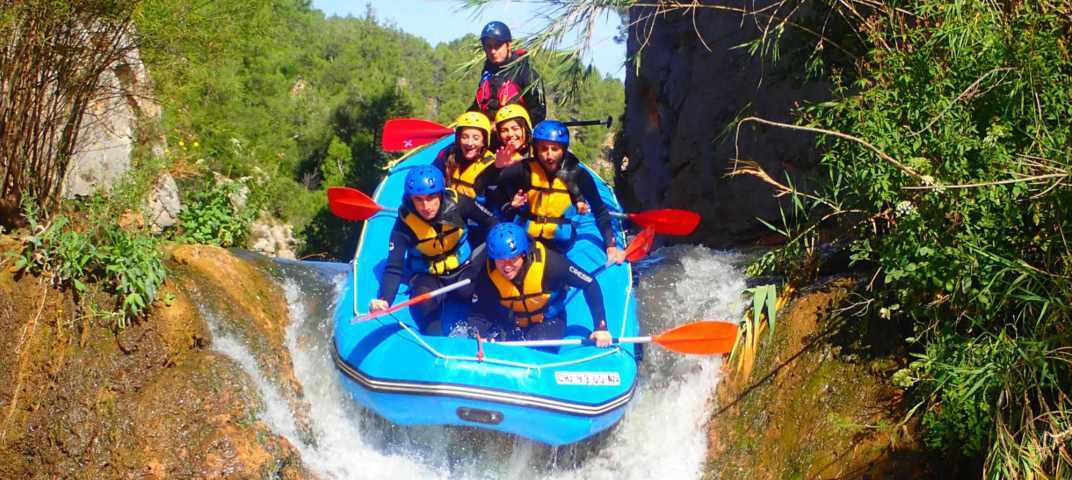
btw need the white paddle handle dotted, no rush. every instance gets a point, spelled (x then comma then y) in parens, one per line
(569, 341)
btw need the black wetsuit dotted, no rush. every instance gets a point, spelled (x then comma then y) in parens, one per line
(457, 212)
(496, 322)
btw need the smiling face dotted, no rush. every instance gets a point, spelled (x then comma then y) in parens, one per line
(550, 155)
(471, 142)
(510, 266)
(497, 52)
(512, 133)
(427, 206)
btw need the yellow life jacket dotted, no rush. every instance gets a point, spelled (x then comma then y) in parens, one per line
(549, 198)
(464, 181)
(438, 243)
(529, 303)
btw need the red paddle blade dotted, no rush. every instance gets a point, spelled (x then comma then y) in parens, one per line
(405, 133)
(641, 244)
(704, 337)
(351, 204)
(669, 221)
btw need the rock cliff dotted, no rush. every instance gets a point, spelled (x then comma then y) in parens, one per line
(684, 92)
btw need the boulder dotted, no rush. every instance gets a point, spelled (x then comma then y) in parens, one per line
(162, 206)
(270, 237)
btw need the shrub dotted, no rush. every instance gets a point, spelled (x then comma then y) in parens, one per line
(210, 217)
(125, 264)
(958, 205)
(132, 270)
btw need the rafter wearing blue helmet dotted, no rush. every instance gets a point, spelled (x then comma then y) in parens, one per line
(507, 77)
(530, 282)
(429, 244)
(552, 189)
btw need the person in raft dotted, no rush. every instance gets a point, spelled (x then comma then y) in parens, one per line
(531, 282)
(430, 239)
(507, 77)
(465, 161)
(552, 188)
(514, 129)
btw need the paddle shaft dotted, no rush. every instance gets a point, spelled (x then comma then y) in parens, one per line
(584, 123)
(415, 300)
(571, 341)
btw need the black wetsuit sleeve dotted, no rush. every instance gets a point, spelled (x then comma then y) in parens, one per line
(511, 179)
(471, 210)
(401, 240)
(559, 269)
(587, 186)
(487, 178)
(486, 295)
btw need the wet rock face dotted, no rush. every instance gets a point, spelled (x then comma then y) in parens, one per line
(678, 138)
(154, 400)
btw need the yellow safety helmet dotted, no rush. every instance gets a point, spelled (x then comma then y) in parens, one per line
(511, 111)
(475, 120)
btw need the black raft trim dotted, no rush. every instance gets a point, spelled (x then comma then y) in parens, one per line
(475, 393)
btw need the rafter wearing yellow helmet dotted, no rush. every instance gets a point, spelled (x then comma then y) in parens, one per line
(464, 162)
(514, 128)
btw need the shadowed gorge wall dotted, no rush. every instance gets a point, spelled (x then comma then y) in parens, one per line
(678, 133)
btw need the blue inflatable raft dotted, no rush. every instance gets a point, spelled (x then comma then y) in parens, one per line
(412, 379)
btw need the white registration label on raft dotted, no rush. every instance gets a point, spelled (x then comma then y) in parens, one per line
(587, 378)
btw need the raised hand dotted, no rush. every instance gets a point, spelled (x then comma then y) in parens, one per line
(504, 156)
(519, 199)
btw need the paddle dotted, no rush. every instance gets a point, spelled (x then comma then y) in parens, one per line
(401, 134)
(668, 221)
(705, 337)
(641, 244)
(415, 300)
(405, 133)
(352, 204)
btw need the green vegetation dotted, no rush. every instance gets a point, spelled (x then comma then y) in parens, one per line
(946, 150)
(125, 264)
(211, 217)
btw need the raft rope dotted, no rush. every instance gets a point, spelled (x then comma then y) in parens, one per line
(508, 363)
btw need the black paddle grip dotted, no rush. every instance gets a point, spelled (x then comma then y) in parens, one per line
(584, 123)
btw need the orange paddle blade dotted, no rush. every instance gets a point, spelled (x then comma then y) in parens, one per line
(351, 204)
(669, 221)
(641, 244)
(401, 134)
(704, 337)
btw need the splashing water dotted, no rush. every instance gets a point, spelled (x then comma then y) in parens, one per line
(663, 433)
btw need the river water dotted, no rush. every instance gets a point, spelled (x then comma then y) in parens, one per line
(663, 433)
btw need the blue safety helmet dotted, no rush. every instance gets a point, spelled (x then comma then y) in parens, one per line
(551, 131)
(495, 31)
(507, 240)
(424, 180)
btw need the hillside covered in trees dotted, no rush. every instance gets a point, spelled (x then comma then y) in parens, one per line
(279, 92)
